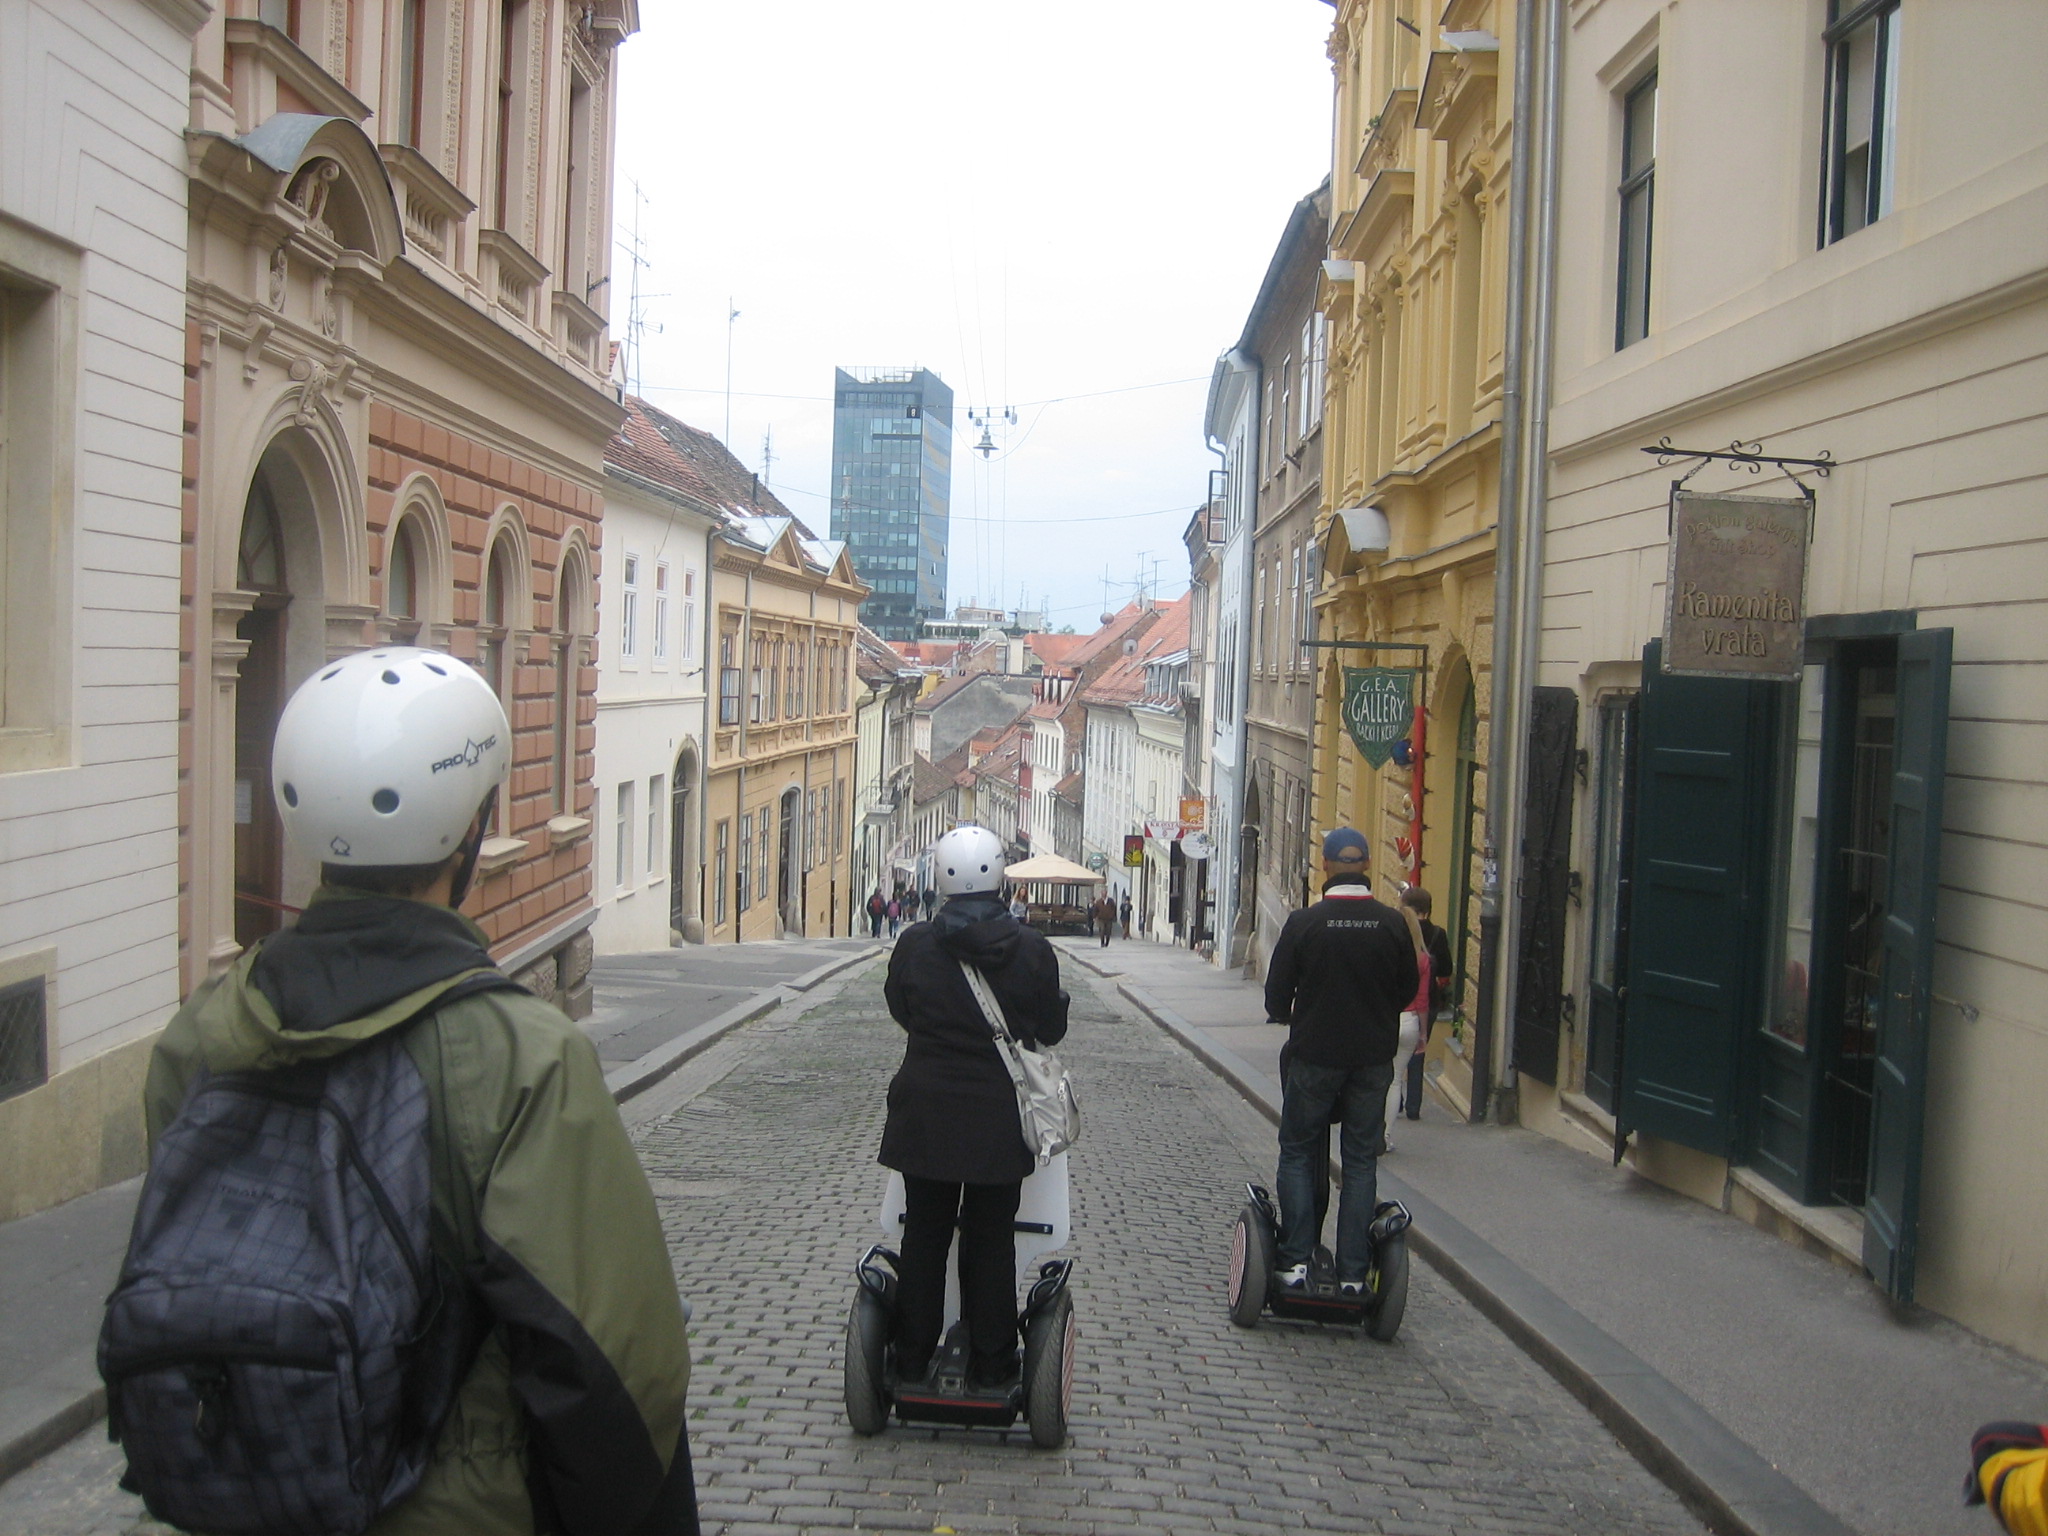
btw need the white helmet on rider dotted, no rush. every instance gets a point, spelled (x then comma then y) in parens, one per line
(384, 757)
(969, 860)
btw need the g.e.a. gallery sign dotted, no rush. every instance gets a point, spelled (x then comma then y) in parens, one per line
(1379, 709)
(1735, 594)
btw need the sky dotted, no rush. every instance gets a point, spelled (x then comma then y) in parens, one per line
(1062, 208)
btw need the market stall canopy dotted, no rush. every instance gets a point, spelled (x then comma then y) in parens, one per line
(1050, 866)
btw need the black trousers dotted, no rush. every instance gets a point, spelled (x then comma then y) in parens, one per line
(986, 1215)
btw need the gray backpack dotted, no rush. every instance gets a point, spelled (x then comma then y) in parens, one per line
(276, 1350)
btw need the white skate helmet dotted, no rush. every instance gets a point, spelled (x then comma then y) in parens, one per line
(383, 757)
(968, 859)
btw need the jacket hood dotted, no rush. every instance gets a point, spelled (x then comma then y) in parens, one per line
(977, 927)
(354, 966)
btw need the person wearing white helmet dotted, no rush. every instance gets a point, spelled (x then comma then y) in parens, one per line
(952, 1130)
(563, 1406)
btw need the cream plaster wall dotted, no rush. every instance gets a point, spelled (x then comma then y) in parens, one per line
(1916, 353)
(92, 175)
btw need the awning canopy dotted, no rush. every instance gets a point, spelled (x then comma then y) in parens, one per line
(1051, 867)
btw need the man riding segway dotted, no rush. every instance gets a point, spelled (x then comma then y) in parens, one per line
(1341, 972)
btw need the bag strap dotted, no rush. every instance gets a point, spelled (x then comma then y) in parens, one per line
(991, 1010)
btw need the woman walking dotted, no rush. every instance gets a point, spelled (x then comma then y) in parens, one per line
(952, 1130)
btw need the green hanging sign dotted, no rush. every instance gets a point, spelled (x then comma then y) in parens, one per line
(1379, 709)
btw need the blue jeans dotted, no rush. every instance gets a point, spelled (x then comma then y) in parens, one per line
(1311, 1099)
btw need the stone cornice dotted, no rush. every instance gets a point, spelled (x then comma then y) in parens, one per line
(188, 16)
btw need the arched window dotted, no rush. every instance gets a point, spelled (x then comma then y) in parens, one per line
(402, 581)
(493, 632)
(570, 651)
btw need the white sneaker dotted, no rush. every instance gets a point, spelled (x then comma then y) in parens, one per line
(1352, 1290)
(1294, 1279)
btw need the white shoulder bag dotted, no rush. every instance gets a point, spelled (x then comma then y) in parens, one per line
(1047, 1110)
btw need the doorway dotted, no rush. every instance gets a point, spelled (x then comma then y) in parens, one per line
(685, 871)
(787, 873)
(259, 700)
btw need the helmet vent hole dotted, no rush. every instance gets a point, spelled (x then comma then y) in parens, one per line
(291, 796)
(384, 802)
(390, 676)
(328, 677)
(437, 671)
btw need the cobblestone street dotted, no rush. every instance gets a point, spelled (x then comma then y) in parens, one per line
(1181, 1423)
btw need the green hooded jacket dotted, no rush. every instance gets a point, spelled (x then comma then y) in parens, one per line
(571, 1416)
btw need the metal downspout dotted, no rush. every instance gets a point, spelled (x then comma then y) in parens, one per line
(1532, 506)
(1506, 524)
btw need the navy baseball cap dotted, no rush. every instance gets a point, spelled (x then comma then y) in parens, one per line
(1346, 845)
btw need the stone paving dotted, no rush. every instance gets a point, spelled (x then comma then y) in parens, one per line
(766, 1179)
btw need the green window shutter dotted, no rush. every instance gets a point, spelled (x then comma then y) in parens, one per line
(1891, 1213)
(1545, 879)
(1701, 842)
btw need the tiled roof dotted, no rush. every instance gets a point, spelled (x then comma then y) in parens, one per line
(928, 781)
(691, 463)
(1124, 683)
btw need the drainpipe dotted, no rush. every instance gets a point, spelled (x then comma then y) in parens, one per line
(1524, 628)
(746, 655)
(1505, 714)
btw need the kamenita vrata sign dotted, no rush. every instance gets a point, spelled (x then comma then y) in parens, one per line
(1735, 590)
(1379, 709)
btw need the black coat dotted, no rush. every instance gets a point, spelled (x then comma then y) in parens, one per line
(952, 1106)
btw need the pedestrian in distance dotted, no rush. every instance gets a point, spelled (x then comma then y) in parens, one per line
(1125, 912)
(1414, 1029)
(952, 1130)
(1020, 909)
(1104, 915)
(895, 914)
(878, 910)
(1437, 944)
(931, 903)
(1340, 974)
(373, 1152)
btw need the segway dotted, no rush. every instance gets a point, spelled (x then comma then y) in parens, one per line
(1255, 1287)
(1044, 1389)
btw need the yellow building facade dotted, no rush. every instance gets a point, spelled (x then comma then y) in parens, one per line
(780, 783)
(1414, 300)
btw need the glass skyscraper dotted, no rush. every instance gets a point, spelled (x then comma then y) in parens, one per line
(892, 484)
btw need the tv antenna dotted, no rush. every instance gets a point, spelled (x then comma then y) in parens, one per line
(637, 324)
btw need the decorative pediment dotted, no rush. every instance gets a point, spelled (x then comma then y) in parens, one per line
(329, 178)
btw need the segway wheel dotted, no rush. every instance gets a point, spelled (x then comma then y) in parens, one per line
(867, 1337)
(1049, 1372)
(1393, 1291)
(1251, 1266)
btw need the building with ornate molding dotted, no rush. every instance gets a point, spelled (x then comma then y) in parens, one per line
(781, 793)
(1413, 295)
(92, 286)
(396, 411)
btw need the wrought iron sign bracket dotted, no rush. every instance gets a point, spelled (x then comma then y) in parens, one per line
(1747, 455)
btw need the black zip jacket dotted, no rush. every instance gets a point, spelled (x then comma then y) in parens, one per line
(952, 1106)
(1342, 971)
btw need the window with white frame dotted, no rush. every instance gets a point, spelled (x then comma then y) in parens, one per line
(1286, 403)
(660, 642)
(656, 803)
(688, 647)
(629, 607)
(622, 836)
(1860, 119)
(1311, 373)
(1638, 196)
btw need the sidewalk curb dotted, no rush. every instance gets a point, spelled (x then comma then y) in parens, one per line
(1719, 1476)
(641, 1074)
(74, 1410)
